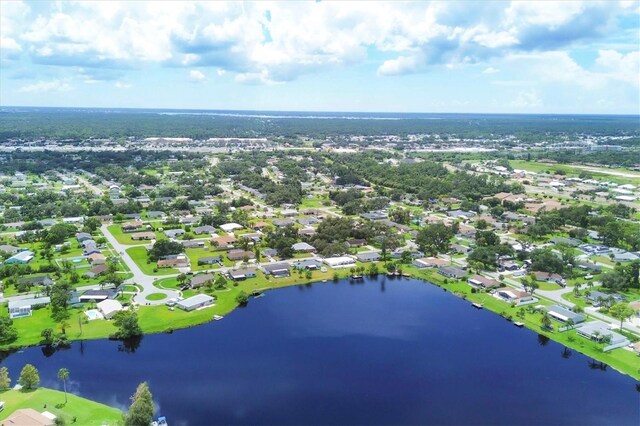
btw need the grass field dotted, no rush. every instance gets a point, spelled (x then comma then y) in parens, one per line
(139, 255)
(125, 237)
(600, 173)
(84, 411)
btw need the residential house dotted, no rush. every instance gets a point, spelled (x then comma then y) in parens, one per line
(235, 255)
(205, 229)
(230, 227)
(97, 258)
(132, 226)
(452, 272)
(138, 236)
(277, 270)
(109, 307)
(511, 295)
(195, 302)
(174, 233)
(308, 265)
(242, 274)
(28, 417)
(21, 258)
(24, 307)
(303, 248)
(281, 223)
(563, 315)
(340, 262)
(96, 295)
(369, 256)
(200, 280)
(357, 242)
(192, 244)
(210, 260)
(176, 261)
(550, 277)
(44, 280)
(483, 282)
(224, 242)
(429, 262)
(96, 271)
(598, 330)
(9, 249)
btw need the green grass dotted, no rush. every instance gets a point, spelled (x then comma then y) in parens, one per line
(84, 411)
(156, 296)
(139, 256)
(125, 237)
(602, 173)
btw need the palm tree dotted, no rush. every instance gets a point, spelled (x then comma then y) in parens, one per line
(545, 321)
(63, 375)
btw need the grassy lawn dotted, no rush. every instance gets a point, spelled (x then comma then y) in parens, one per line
(84, 411)
(602, 173)
(139, 255)
(156, 296)
(125, 237)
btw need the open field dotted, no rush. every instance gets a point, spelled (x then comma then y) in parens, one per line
(77, 410)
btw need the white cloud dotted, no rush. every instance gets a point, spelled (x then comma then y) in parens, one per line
(620, 66)
(490, 70)
(122, 85)
(46, 86)
(196, 76)
(295, 38)
(527, 100)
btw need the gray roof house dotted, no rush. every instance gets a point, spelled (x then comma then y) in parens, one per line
(195, 302)
(9, 249)
(241, 274)
(209, 260)
(303, 247)
(205, 229)
(42, 280)
(200, 280)
(277, 270)
(369, 256)
(563, 315)
(452, 272)
(173, 233)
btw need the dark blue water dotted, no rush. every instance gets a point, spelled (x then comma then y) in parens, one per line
(382, 352)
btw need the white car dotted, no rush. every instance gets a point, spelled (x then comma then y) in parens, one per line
(588, 277)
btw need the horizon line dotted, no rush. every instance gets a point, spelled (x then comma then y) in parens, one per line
(324, 111)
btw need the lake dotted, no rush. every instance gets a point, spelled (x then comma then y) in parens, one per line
(387, 351)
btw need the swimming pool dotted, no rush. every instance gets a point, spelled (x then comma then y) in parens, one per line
(93, 314)
(77, 259)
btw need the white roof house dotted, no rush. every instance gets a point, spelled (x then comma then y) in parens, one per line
(109, 308)
(229, 227)
(340, 262)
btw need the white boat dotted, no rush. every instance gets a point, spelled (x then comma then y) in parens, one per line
(477, 305)
(217, 317)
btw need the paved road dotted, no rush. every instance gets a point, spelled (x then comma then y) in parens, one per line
(556, 297)
(139, 277)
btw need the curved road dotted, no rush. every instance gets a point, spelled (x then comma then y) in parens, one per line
(140, 278)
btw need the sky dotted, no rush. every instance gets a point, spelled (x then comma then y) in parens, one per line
(484, 57)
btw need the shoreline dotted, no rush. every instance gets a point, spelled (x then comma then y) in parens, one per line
(200, 317)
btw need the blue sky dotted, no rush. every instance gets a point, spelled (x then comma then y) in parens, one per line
(520, 57)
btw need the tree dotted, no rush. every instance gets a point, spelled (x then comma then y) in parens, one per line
(47, 335)
(614, 281)
(373, 269)
(141, 409)
(242, 298)
(63, 375)
(621, 311)
(8, 332)
(164, 248)
(29, 378)
(127, 323)
(5, 381)
(434, 238)
(545, 322)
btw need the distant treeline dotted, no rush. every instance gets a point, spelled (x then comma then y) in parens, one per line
(80, 125)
